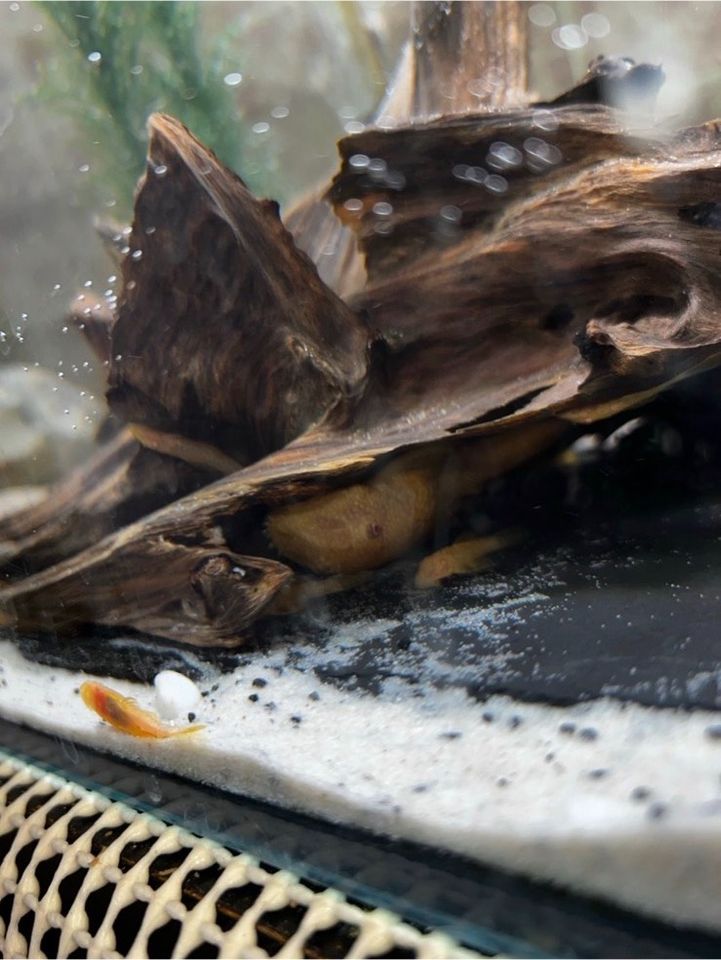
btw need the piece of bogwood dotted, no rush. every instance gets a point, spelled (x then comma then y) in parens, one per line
(583, 286)
(122, 482)
(224, 333)
(462, 57)
(584, 297)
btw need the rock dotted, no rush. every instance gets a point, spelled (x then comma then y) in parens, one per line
(46, 427)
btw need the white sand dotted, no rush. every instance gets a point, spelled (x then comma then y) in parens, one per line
(522, 797)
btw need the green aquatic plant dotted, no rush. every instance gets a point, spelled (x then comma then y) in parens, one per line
(123, 61)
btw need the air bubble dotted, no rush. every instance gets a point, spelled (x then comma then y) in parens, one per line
(354, 126)
(545, 120)
(359, 161)
(541, 15)
(84, 168)
(137, 69)
(496, 183)
(353, 205)
(261, 127)
(542, 152)
(95, 57)
(279, 113)
(569, 37)
(57, 286)
(502, 155)
(112, 278)
(160, 170)
(595, 25)
(137, 254)
(382, 208)
(451, 213)
(88, 283)
(232, 79)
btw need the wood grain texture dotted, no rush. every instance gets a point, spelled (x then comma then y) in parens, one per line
(580, 282)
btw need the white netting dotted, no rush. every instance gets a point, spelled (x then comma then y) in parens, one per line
(81, 876)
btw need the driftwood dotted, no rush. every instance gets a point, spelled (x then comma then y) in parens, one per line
(525, 271)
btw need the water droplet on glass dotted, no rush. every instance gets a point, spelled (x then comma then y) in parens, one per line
(545, 120)
(118, 356)
(66, 412)
(64, 329)
(84, 168)
(569, 37)
(543, 154)
(451, 213)
(386, 122)
(541, 14)
(279, 113)
(125, 250)
(377, 166)
(359, 161)
(233, 79)
(502, 155)
(61, 374)
(496, 183)
(88, 283)
(56, 286)
(112, 278)
(137, 254)
(160, 170)
(353, 205)
(354, 126)
(595, 25)
(382, 208)
(95, 57)
(261, 127)
(395, 180)
(137, 69)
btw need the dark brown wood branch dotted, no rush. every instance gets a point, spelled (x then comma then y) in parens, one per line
(254, 347)
(468, 57)
(526, 269)
(462, 57)
(593, 288)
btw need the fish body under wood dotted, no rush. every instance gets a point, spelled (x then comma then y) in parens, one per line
(124, 714)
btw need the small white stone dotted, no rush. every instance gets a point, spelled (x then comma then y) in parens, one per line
(175, 694)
